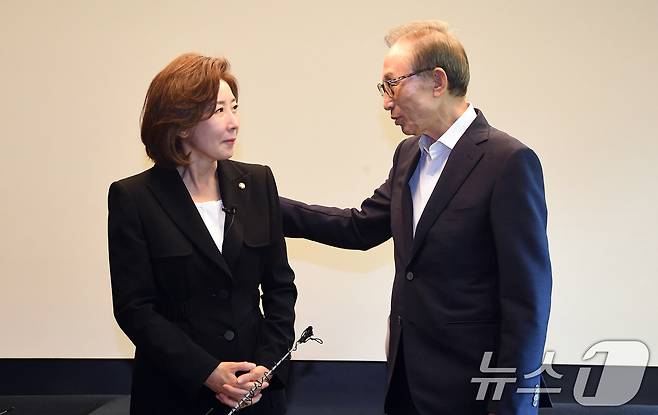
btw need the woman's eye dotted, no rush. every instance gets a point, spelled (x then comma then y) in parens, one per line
(218, 110)
(235, 107)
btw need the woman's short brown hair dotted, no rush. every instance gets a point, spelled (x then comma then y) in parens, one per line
(179, 97)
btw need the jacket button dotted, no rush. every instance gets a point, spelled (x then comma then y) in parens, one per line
(410, 275)
(229, 335)
(223, 294)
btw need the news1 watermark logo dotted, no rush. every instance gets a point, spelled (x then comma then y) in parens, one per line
(623, 371)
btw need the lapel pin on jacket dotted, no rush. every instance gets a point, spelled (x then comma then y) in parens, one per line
(242, 186)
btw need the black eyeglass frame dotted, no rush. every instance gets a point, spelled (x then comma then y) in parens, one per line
(386, 87)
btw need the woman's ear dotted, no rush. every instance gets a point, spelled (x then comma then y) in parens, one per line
(184, 133)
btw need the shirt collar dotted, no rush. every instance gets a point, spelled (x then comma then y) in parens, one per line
(450, 137)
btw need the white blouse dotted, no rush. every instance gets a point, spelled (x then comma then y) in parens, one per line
(214, 217)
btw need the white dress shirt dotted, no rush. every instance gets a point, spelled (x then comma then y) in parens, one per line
(433, 158)
(214, 217)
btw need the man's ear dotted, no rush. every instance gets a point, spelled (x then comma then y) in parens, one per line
(440, 81)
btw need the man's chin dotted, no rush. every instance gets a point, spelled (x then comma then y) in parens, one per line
(408, 130)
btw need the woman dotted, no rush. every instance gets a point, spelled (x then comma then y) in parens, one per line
(191, 242)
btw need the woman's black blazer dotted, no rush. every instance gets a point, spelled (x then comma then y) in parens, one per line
(186, 306)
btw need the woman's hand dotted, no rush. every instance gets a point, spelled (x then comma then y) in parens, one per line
(245, 382)
(256, 374)
(225, 384)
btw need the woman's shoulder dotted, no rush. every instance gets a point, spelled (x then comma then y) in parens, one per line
(138, 180)
(258, 172)
(243, 167)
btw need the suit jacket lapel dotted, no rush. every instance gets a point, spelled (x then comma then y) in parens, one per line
(169, 189)
(407, 167)
(463, 158)
(234, 187)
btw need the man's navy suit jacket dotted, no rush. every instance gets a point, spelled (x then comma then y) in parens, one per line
(475, 278)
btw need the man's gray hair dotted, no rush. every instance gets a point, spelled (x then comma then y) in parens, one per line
(433, 45)
(415, 28)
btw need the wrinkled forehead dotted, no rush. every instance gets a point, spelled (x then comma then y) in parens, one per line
(397, 61)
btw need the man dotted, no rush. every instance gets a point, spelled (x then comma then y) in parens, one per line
(465, 206)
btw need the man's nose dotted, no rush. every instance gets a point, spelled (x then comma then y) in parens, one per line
(388, 102)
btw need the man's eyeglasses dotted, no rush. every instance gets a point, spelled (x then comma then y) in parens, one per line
(386, 87)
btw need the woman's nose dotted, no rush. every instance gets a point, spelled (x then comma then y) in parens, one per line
(234, 120)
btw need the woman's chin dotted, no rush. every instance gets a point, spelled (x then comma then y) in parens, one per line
(225, 154)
